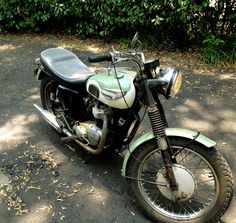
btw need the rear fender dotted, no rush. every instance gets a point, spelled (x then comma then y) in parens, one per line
(40, 72)
(184, 133)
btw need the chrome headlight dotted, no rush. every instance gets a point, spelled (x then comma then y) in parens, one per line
(173, 79)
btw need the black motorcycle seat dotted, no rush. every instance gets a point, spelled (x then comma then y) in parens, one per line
(65, 66)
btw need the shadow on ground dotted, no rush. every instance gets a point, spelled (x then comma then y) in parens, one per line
(50, 181)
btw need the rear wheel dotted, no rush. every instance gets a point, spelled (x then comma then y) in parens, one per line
(48, 94)
(205, 186)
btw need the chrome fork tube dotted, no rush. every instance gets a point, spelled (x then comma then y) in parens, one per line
(159, 124)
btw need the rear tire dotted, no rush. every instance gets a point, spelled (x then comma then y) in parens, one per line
(213, 189)
(48, 93)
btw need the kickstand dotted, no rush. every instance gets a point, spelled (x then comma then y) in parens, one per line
(84, 157)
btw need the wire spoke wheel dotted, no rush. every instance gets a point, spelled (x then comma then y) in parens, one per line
(204, 189)
(203, 194)
(48, 91)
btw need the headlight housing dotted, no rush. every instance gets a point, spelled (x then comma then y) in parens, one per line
(173, 79)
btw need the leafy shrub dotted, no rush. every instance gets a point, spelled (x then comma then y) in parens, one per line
(212, 52)
(215, 50)
(30, 15)
(178, 23)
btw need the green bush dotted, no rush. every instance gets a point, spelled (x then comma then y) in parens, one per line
(180, 23)
(216, 50)
(212, 52)
(31, 15)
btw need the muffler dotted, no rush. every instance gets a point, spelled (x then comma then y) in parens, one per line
(49, 118)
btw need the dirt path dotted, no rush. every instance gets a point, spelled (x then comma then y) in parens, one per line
(49, 182)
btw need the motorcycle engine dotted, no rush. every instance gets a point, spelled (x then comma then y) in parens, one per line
(88, 132)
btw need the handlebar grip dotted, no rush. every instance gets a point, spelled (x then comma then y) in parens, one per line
(100, 58)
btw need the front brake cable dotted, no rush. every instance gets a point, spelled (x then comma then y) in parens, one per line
(163, 184)
(184, 147)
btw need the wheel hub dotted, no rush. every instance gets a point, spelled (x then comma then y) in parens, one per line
(185, 180)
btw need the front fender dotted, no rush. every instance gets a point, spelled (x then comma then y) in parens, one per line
(184, 133)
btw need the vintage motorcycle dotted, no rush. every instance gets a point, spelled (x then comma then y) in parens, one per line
(173, 174)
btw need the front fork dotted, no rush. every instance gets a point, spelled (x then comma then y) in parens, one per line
(159, 124)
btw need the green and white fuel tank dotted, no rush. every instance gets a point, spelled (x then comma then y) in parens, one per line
(115, 89)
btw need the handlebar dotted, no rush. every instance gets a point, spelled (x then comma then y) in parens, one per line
(100, 58)
(116, 56)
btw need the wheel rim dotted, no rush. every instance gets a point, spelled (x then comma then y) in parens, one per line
(50, 96)
(202, 199)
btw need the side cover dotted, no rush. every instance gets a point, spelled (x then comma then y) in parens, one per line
(184, 133)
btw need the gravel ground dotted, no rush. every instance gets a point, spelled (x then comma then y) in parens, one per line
(44, 181)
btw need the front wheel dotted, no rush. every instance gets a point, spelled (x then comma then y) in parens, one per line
(205, 185)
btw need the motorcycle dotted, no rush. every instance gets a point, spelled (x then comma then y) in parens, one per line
(173, 174)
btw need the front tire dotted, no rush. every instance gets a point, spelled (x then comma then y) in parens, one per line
(204, 170)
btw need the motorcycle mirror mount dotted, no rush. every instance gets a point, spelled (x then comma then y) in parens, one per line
(135, 43)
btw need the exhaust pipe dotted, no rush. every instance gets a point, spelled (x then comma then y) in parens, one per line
(49, 118)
